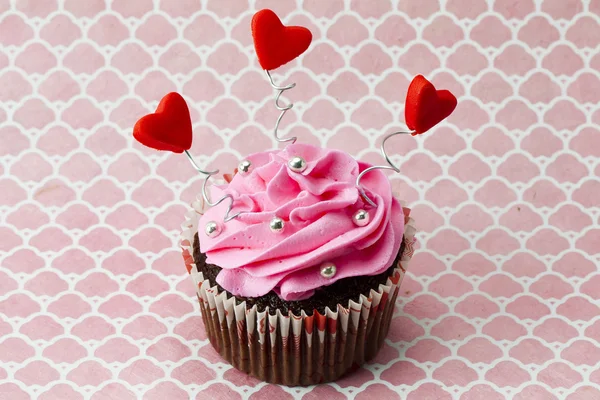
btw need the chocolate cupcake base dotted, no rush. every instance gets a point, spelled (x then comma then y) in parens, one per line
(340, 292)
(302, 347)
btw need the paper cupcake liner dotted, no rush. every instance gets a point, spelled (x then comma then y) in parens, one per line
(295, 349)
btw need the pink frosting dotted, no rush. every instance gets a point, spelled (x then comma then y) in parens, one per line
(317, 206)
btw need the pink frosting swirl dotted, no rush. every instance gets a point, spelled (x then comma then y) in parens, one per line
(317, 206)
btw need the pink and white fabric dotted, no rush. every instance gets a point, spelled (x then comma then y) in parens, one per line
(502, 297)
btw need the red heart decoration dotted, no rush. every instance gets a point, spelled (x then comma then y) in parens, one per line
(276, 44)
(425, 106)
(169, 128)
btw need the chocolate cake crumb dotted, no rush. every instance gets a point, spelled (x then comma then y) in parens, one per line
(340, 292)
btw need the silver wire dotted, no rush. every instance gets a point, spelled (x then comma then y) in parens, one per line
(283, 109)
(390, 166)
(205, 196)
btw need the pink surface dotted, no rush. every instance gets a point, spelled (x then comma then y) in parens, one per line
(502, 297)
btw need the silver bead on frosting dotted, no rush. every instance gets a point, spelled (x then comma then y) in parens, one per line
(277, 225)
(328, 270)
(244, 167)
(361, 218)
(212, 229)
(297, 164)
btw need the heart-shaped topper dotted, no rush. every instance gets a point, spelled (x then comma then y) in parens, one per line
(276, 44)
(169, 128)
(425, 106)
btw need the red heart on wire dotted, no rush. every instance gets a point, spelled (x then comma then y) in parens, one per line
(276, 44)
(425, 106)
(169, 128)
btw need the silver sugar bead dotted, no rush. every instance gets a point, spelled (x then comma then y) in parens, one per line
(212, 229)
(277, 225)
(297, 164)
(328, 270)
(244, 167)
(361, 218)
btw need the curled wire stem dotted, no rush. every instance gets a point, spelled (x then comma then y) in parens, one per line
(282, 108)
(390, 166)
(205, 196)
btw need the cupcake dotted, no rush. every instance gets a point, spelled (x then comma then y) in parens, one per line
(297, 256)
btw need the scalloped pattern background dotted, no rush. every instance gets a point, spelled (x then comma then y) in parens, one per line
(503, 297)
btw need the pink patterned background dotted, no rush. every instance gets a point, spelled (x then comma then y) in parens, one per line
(503, 296)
